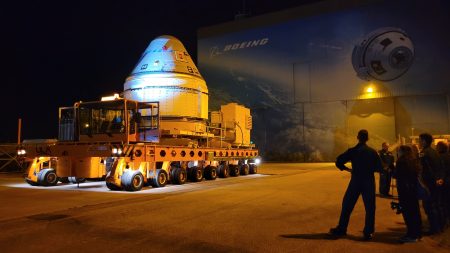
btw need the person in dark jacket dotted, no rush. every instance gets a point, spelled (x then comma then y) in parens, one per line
(433, 176)
(442, 149)
(406, 172)
(365, 161)
(387, 160)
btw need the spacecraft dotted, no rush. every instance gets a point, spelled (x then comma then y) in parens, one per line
(384, 55)
(166, 73)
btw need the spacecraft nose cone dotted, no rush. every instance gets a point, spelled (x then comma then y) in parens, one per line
(166, 54)
(166, 73)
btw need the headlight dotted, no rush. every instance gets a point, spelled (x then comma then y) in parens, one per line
(116, 151)
(21, 152)
(257, 161)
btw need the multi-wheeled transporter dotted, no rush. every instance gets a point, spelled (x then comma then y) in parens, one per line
(157, 131)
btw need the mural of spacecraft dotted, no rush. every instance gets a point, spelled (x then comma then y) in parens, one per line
(383, 55)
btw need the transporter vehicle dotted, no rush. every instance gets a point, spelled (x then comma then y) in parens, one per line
(157, 131)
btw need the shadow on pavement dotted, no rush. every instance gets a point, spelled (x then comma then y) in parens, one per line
(391, 237)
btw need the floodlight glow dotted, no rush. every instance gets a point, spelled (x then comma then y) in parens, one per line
(369, 90)
(111, 98)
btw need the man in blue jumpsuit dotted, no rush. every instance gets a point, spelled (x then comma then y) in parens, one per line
(433, 175)
(387, 160)
(365, 161)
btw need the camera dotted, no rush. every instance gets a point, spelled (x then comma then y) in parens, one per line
(396, 206)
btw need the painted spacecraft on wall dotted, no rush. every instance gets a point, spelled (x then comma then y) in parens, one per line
(384, 54)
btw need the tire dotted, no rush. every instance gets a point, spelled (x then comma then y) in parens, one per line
(253, 169)
(132, 180)
(76, 180)
(64, 180)
(234, 170)
(223, 170)
(113, 187)
(244, 170)
(196, 174)
(47, 177)
(210, 173)
(160, 179)
(179, 175)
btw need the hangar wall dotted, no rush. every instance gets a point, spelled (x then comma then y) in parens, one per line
(306, 73)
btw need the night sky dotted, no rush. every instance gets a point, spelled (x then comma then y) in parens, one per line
(60, 52)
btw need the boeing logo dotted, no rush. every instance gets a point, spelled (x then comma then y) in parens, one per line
(215, 51)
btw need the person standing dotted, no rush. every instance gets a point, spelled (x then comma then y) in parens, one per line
(443, 151)
(407, 172)
(387, 160)
(433, 178)
(365, 161)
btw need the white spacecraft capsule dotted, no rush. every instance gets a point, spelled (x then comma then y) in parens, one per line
(166, 73)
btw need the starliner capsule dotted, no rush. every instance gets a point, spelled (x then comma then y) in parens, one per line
(166, 73)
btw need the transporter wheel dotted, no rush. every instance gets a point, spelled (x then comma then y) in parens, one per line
(47, 177)
(77, 180)
(210, 172)
(113, 187)
(234, 170)
(196, 174)
(160, 179)
(253, 169)
(132, 180)
(223, 170)
(64, 180)
(31, 182)
(244, 170)
(179, 175)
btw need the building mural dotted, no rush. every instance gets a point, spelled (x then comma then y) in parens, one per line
(313, 81)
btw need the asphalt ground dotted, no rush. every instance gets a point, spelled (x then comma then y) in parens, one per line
(285, 208)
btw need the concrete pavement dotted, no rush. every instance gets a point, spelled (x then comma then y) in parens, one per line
(286, 208)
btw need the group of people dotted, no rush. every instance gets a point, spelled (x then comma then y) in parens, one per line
(422, 173)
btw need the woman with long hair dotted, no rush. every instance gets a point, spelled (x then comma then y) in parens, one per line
(407, 171)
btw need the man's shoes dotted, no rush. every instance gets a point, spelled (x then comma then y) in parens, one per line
(367, 236)
(337, 232)
(408, 239)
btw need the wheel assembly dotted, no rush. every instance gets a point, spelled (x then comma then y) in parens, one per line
(179, 175)
(132, 180)
(234, 170)
(223, 170)
(210, 172)
(160, 179)
(244, 170)
(253, 169)
(196, 174)
(47, 177)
